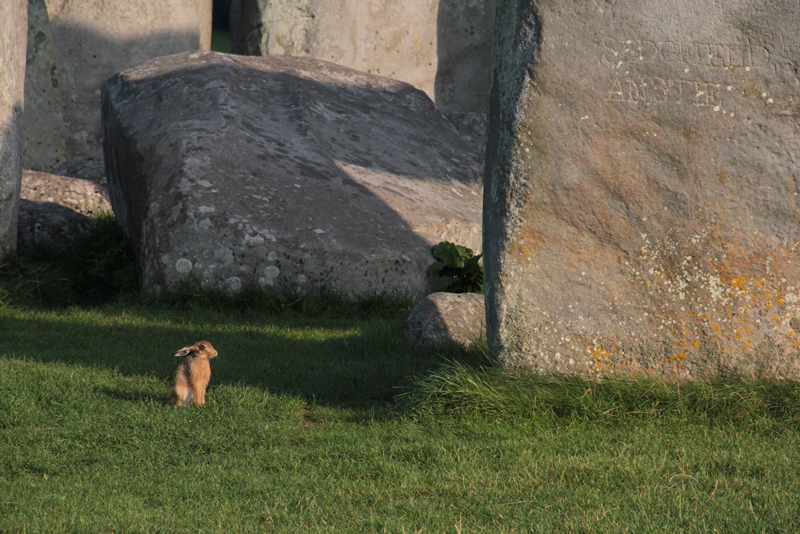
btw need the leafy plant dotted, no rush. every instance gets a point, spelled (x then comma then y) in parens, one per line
(458, 269)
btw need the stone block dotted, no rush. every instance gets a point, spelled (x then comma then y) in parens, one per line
(57, 210)
(442, 47)
(641, 204)
(443, 317)
(285, 172)
(13, 40)
(95, 39)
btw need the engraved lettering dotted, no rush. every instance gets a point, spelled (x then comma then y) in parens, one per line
(670, 51)
(660, 90)
(714, 55)
(655, 90)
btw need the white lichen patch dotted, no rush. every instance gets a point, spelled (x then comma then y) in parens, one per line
(225, 255)
(271, 272)
(233, 284)
(252, 241)
(183, 266)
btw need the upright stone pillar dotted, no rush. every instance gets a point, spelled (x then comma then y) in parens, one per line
(13, 40)
(43, 133)
(441, 47)
(95, 39)
(641, 210)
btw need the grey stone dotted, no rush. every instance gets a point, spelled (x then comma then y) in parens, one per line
(55, 210)
(235, 26)
(43, 132)
(442, 47)
(443, 317)
(13, 40)
(641, 205)
(83, 196)
(283, 171)
(92, 168)
(472, 128)
(95, 39)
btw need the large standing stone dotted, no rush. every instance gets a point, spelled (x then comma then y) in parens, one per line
(643, 170)
(283, 171)
(13, 40)
(442, 47)
(95, 39)
(44, 136)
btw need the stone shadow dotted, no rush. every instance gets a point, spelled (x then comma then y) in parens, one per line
(464, 48)
(348, 369)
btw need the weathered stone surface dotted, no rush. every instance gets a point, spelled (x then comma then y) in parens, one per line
(472, 128)
(442, 47)
(13, 39)
(43, 133)
(641, 206)
(83, 196)
(284, 171)
(95, 39)
(55, 210)
(92, 168)
(447, 317)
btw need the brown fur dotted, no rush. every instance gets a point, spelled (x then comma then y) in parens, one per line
(193, 374)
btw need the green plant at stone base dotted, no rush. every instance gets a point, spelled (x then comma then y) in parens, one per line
(457, 268)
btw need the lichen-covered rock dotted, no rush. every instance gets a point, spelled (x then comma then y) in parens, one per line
(13, 39)
(447, 317)
(286, 172)
(55, 210)
(641, 210)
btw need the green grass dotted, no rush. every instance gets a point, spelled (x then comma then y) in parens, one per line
(321, 418)
(220, 40)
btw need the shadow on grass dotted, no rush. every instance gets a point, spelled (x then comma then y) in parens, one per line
(355, 364)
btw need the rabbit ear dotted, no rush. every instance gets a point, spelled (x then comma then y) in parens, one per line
(185, 351)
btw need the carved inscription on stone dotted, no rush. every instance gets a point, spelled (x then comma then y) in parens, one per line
(697, 71)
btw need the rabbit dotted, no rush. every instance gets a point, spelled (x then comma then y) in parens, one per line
(193, 374)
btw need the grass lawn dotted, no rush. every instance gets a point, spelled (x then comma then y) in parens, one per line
(321, 418)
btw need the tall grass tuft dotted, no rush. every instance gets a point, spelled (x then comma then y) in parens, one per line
(459, 389)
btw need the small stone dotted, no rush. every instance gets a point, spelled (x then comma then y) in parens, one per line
(439, 317)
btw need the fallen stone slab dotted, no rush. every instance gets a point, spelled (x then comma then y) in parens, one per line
(56, 210)
(440, 317)
(284, 172)
(642, 214)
